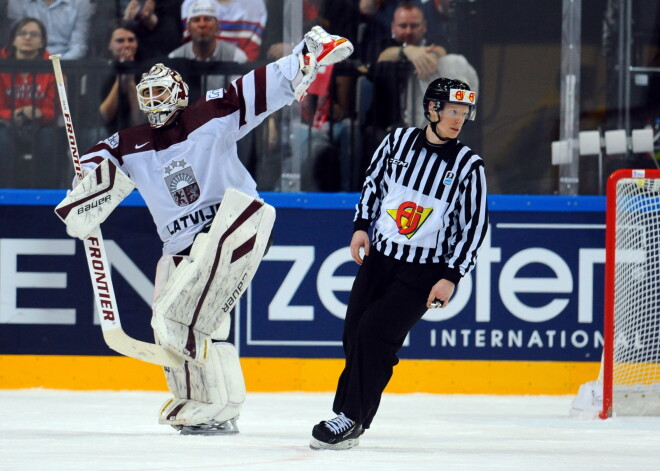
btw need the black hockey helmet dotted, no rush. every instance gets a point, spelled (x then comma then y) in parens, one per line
(444, 90)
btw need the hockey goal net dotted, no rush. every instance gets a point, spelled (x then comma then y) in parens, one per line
(630, 373)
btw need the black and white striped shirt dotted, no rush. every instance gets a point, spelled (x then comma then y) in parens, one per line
(427, 203)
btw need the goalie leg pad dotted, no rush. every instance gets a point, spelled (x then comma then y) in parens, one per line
(93, 199)
(222, 332)
(203, 290)
(166, 267)
(164, 270)
(213, 393)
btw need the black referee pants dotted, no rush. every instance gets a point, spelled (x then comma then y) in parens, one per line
(387, 299)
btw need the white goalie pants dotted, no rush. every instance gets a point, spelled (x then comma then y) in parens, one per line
(212, 392)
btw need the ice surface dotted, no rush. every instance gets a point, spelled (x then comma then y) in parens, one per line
(65, 430)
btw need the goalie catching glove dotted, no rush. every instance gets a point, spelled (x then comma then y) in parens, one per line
(322, 49)
(93, 199)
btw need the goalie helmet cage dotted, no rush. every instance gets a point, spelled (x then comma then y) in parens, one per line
(631, 352)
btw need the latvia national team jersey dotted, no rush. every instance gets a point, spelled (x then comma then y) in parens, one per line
(182, 170)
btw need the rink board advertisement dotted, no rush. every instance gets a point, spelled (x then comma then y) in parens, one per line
(536, 294)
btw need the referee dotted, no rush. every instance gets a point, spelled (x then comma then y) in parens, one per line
(425, 196)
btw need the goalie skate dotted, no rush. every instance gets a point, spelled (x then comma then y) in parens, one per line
(229, 427)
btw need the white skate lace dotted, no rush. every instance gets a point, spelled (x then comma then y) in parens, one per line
(339, 424)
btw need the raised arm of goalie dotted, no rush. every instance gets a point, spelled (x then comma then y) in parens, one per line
(93, 199)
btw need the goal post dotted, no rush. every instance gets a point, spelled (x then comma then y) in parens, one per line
(629, 378)
(631, 352)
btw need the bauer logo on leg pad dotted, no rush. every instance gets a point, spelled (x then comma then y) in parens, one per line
(93, 199)
(199, 295)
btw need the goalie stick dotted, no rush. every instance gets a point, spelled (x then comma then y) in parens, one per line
(99, 268)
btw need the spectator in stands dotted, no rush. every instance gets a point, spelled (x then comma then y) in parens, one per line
(204, 46)
(376, 18)
(27, 113)
(157, 25)
(119, 107)
(409, 42)
(427, 61)
(67, 23)
(241, 22)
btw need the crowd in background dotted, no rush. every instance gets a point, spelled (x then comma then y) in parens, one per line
(400, 47)
(131, 35)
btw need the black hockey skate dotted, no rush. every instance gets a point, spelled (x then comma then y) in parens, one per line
(212, 428)
(340, 433)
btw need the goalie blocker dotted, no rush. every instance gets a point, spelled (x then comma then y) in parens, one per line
(193, 299)
(93, 199)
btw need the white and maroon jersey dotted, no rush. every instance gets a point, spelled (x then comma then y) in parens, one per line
(240, 22)
(182, 170)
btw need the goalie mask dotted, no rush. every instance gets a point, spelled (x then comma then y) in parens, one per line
(161, 93)
(444, 90)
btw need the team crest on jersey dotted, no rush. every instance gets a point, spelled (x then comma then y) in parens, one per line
(409, 217)
(449, 177)
(180, 180)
